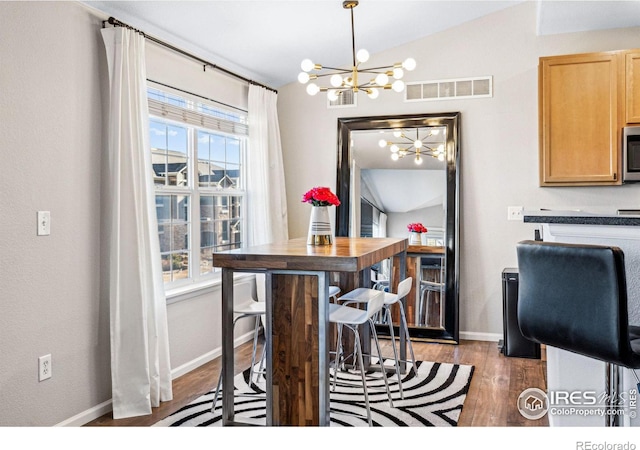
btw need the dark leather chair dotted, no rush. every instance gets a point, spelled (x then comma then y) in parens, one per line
(574, 297)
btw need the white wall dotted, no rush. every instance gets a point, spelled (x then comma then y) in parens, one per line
(499, 162)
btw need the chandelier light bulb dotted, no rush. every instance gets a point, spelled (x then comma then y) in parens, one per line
(394, 148)
(441, 157)
(409, 64)
(397, 133)
(417, 143)
(336, 80)
(362, 56)
(382, 79)
(418, 159)
(369, 80)
(441, 148)
(382, 143)
(398, 73)
(303, 77)
(394, 156)
(435, 131)
(398, 86)
(307, 65)
(312, 89)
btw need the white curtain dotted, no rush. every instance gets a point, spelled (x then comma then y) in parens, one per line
(140, 367)
(382, 225)
(265, 181)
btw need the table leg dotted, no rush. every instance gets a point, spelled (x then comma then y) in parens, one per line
(299, 352)
(227, 347)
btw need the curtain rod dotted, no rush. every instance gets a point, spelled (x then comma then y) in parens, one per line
(115, 22)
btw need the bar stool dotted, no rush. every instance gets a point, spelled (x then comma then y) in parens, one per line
(359, 295)
(427, 287)
(352, 318)
(250, 308)
(574, 297)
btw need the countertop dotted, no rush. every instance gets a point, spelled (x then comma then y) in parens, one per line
(582, 218)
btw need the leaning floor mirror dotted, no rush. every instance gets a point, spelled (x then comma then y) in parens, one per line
(399, 170)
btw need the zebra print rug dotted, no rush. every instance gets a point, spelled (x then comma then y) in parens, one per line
(432, 398)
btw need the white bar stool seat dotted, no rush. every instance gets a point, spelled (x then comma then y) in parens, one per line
(361, 295)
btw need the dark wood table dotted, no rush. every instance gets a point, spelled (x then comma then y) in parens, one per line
(297, 299)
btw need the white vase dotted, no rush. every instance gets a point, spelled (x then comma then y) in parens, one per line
(320, 229)
(415, 239)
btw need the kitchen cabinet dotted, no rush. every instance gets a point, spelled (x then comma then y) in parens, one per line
(632, 87)
(580, 98)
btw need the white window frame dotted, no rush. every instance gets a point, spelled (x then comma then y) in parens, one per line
(196, 283)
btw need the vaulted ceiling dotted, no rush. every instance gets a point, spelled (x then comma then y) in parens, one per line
(266, 40)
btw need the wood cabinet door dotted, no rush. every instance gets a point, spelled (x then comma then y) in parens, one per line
(632, 87)
(579, 120)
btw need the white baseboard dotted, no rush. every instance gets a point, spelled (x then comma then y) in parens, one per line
(476, 336)
(87, 416)
(106, 407)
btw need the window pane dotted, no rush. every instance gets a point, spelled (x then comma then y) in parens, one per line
(179, 207)
(180, 266)
(206, 260)
(236, 206)
(159, 166)
(163, 208)
(206, 208)
(207, 235)
(164, 233)
(235, 235)
(232, 177)
(157, 135)
(233, 151)
(221, 207)
(179, 237)
(217, 146)
(166, 268)
(204, 168)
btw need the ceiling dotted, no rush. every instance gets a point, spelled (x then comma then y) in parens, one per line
(266, 40)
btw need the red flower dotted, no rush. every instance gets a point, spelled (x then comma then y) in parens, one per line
(321, 196)
(417, 228)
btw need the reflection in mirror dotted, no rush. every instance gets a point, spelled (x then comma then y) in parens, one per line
(394, 171)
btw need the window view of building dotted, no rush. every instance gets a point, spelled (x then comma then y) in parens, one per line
(197, 154)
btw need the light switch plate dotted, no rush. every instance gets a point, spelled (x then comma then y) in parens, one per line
(44, 223)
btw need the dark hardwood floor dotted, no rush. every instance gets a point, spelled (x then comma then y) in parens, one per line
(491, 402)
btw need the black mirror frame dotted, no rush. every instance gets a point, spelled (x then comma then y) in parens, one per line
(451, 121)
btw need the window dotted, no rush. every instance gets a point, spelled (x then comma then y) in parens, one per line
(198, 152)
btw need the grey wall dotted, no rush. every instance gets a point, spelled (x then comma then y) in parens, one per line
(53, 93)
(499, 142)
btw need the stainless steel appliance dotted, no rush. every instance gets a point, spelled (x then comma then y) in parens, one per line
(631, 154)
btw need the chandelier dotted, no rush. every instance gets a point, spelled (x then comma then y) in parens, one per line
(413, 146)
(357, 78)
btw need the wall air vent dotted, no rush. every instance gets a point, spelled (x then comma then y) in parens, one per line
(345, 100)
(449, 89)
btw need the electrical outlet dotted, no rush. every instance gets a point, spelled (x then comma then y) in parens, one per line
(44, 223)
(44, 367)
(515, 213)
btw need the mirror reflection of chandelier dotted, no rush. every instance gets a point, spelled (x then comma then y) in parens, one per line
(357, 78)
(413, 145)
